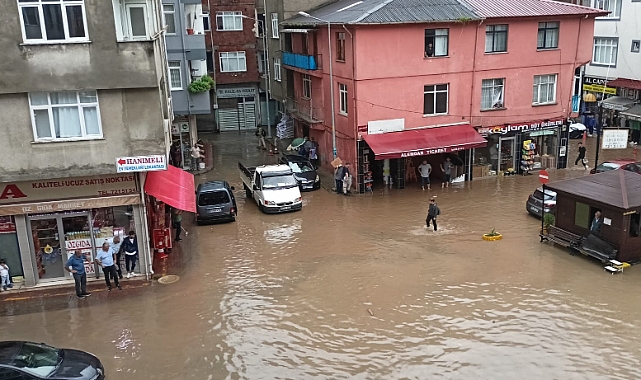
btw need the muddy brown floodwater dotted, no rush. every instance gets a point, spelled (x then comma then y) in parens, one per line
(358, 288)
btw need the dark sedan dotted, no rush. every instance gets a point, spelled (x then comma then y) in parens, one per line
(304, 171)
(29, 361)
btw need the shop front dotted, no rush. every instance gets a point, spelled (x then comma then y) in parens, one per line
(54, 218)
(236, 108)
(388, 157)
(521, 148)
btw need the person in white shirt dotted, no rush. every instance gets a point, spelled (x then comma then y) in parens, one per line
(5, 280)
(115, 249)
(425, 169)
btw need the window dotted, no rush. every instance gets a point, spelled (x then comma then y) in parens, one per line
(169, 15)
(226, 21)
(206, 22)
(233, 61)
(210, 61)
(582, 215)
(136, 21)
(274, 25)
(175, 76)
(277, 76)
(260, 59)
(53, 20)
(548, 37)
(435, 98)
(635, 223)
(492, 93)
(495, 38)
(636, 46)
(436, 42)
(342, 91)
(605, 51)
(340, 46)
(307, 86)
(544, 90)
(65, 115)
(612, 6)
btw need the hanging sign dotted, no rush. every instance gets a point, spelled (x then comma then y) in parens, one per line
(615, 139)
(141, 163)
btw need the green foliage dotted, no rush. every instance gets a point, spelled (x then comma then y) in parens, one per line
(205, 83)
(493, 233)
(548, 220)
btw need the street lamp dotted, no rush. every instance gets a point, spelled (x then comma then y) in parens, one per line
(331, 76)
(267, 79)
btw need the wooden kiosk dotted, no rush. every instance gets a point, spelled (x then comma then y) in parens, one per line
(617, 195)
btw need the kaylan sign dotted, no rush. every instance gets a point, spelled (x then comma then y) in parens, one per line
(522, 127)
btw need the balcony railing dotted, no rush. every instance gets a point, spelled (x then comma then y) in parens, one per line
(305, 62)
(304, 110)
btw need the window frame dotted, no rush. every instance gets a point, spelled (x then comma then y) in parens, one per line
(342, 99)
(539, 103)
(493, 86)
(275, 31)
(129, 25)
(340, 46)
(545, 28)
(445, 36)
(615, 14)
(227, 53)
(173, 16)
(49, 107)
(494, 34)
(179, 68)
(435, 92)
(635, 46)
(43, 32)
(220, 15)
(307, 87)
(207, 25)
(277, 70)
(615, 48)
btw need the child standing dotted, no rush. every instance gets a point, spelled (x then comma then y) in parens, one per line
(5, 280)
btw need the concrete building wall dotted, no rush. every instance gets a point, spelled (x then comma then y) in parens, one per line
(132, 125)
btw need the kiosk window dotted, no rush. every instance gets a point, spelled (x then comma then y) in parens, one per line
(635, 222)
(582, 215)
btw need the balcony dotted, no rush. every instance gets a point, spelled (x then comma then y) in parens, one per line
(304, 110)
(300, 61)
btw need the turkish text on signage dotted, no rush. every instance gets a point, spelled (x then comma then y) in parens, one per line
(524, 127)
(68, 205)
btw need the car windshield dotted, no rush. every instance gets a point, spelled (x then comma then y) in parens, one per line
(301, 167)
(606, 166)
(213, 198)
(538, 194)
(38, 359)
(279, 182)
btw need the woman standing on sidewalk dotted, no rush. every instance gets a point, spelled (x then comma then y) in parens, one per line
(130, 248)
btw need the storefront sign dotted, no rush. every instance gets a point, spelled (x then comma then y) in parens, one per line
(7, 225)
(615, 138)
(524, 127)
(98, 186)
(76, 204)
(425, 152)
(238, 92)
(141, 164)
(593, 84)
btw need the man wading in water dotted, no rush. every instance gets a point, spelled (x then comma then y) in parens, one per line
(432, 213)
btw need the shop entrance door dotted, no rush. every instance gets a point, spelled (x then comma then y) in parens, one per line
(507, 149)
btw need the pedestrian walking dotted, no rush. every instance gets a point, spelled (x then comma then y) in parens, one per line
(116, 244)
(446, 167)
(347, 179)
(5, 278)
(105, 258)
(76, 266)
(432, 212)
(581, 156)
(177, 218)
(425, 170)
(260, 132)
(130, 248)
(338, 178)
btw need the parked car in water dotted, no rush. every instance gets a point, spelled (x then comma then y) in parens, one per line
(577, 130)
(537, 202)
(29, 361)
(303, 170)
(215, 202)
(628, 164)
(273, 187)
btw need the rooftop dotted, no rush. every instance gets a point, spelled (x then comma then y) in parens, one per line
(424, 11)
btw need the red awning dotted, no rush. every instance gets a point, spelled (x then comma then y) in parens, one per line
(625, 83)
(173, 186)
(424, 141)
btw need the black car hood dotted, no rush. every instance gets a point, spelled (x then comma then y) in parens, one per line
(77, 365)
(310, 176)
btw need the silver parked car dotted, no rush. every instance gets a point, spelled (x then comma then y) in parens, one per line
(537, 202)
(215, 202)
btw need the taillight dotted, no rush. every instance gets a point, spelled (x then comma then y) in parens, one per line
(549, 205)
(266, 203)
(232, 211)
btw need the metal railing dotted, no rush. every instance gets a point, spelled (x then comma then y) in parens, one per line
(305, 110)
(301, 61)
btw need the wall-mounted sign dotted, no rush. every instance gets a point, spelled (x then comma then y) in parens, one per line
(523, 127)
(615, 138)
(384, 126)
(598, 85)
(75, 204)
(238, 92)
(141, 164)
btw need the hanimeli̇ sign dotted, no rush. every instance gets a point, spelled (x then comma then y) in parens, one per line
(141, 164)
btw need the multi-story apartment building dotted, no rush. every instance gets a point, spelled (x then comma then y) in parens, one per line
(83, 96)
(185, 24)
(232, 61)
(614, 72)
(486, 83)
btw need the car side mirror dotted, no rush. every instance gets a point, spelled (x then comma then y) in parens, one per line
(233, 188)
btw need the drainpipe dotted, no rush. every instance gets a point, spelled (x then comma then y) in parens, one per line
(213, 53)
(269, 80)
(351, 37)
(476, 40)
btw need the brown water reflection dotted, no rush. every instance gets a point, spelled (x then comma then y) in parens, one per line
(287, 296)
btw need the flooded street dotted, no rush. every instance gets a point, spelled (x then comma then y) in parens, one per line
(358, 288)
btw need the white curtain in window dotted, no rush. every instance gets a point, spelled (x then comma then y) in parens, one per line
(440, 42)
(551, 37)
(43, 127)
(91, 120)
(238, 22)
(66, 121)
(63, 98)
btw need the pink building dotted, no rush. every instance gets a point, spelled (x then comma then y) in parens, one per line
(487, 83)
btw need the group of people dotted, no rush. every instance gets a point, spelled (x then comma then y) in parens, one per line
(343, 178)
(425, 170)
(196, 153)
(108, 258)
(309, 150)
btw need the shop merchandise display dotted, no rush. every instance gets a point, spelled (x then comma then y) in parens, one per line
(285, 128)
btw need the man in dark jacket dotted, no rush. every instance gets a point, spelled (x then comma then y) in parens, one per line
(581, 156)
(130, 248)
(432, 213)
